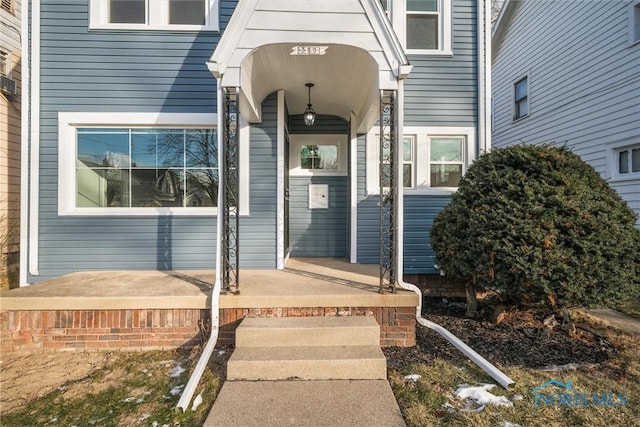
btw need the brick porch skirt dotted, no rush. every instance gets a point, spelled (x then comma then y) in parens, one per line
(170, 328)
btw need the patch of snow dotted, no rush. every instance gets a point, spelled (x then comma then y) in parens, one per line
(412, 377)
(144, 417)
(196, 402)
(176, 371)
(221, 352)
(508, 424)
(129, 399)
(517, 397)
(176, 390)
(53, 420)
(145, 370)
(482, 395)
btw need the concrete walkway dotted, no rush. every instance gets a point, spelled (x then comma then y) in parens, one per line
(328, 403)
(618, 320)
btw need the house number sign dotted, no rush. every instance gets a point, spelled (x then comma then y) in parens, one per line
(309, 50)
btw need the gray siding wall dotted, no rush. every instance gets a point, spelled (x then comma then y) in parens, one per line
(443, 91)
(319, 232)
(419, 212)
(583, 78)
(258, 231)
(117, 71)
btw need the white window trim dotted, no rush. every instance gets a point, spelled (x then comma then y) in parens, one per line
(633, 13)
(398, 10)
(296, 141)
(612, 171)
(157, 18)
(513, 97)
(9, 63)
(421, 148)
(69, 122)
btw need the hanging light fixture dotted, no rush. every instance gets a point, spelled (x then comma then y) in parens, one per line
(309, 114)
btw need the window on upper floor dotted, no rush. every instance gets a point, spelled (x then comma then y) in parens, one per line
(7, 5)
(634, 22)
(433, 159)
(423, 26)
(187, 15)
(521, 98)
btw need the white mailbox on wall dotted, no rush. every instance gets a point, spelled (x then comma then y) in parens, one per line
(318, 196)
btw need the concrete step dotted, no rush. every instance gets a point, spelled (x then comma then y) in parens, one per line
(307, 363)
(313, 331)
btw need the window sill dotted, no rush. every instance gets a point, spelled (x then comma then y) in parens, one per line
(443, 191)
(430, 52)
(306, 173)
(141, 212)
(519, 119)
(634, 176)
(143, 27)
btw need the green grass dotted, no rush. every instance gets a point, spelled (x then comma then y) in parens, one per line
(133, 390)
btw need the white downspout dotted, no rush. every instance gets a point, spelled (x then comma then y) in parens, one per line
(24, 145)
(190, 388)
(496, 374)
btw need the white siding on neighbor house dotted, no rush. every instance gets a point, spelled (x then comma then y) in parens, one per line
(584, 81)
(10, 42)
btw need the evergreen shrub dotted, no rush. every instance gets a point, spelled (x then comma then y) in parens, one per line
(537, 225)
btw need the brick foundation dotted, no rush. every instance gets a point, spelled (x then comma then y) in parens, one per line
(169, 328)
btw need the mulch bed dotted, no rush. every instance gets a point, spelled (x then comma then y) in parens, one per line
(519, 340)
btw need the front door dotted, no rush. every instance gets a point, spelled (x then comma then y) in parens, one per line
(318, 195)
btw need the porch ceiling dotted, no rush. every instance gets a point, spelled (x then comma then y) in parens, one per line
(345, 81)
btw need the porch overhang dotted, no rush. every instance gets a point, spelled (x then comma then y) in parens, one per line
(357, 54)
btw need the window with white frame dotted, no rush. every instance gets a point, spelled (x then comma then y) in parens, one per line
(408, 143)
(146, 167)
(140, 164)
(5, 63)
(434, 158)
(446, 165)
(318, 155)
(423, 26)
(521, 98)
(188, 15)
(628, 161)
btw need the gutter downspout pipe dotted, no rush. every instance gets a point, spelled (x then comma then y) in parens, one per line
(190, 388)
(494, 372)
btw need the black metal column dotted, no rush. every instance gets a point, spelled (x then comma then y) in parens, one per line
(388, 169)
(229, 185)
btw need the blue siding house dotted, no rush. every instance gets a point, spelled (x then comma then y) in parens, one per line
(126, 125)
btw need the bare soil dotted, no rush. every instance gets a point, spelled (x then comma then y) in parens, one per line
(520, 339)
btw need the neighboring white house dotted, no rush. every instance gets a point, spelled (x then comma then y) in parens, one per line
(10, 79)
(567, 73)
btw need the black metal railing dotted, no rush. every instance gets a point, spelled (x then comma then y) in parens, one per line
(229, 185)
(388, 169)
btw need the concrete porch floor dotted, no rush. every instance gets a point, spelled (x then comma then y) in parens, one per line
(305, 282)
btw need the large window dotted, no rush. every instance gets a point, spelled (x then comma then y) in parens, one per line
(142, 164)
(521, 98)
(424, 26)
(146, 167)
(434, 159)
(154, 14)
